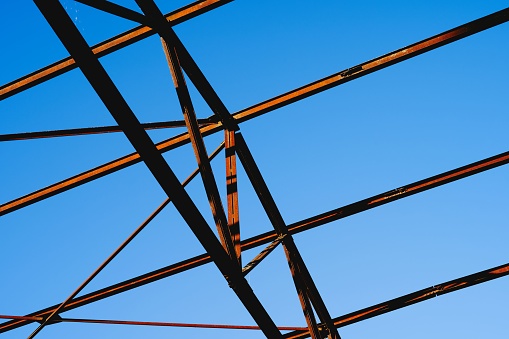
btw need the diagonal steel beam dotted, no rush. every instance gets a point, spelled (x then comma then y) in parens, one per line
(376, 64)
(113, 8)
(200, 81)
(418, 48)
(106, 47)
(297, 227)
(302, 278)
(413, 298)
(122, 113)
(209, 183)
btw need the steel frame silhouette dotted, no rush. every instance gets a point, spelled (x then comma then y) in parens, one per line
(226, 251)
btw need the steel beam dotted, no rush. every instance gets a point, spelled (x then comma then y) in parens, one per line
(413, 298)
(232, 192)
(209, 183)
(418, 48)
(94, 130)
(106, 47)
(376, 64)
(117, 10)
(122, 113)
(302, 278)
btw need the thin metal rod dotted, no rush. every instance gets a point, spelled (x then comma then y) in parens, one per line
(127, 241)
(413, 298)
(262, 255)
(106, 47)
(122, 113)
(153, 323)
(470, 28)
(297, 227)
(94, 130)
(113, 8)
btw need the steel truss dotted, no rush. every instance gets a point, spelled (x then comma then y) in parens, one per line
(225, 252)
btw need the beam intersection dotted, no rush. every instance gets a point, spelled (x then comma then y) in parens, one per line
(225, 248)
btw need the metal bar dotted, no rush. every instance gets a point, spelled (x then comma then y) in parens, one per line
(246, 114)
(413, 298)
(232, 192)
(106, 47)
(303, 295)
(152, 323)
(209, 183)
(94, 130)
(297, 227)
(292, 252)
(121, 112)
(113, 8)
(126, 242)
(200, 81)
(262, 255)
(376, 64)
(179, 58)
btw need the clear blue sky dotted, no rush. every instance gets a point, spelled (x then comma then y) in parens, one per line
(427, 115)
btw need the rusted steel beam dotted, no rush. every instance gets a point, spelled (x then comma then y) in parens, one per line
(303, 281)
(303, 294)
(376, 64)
(89, 64)
(232, 192)
(413, 298)
(202, 84)
(95, 130)
(254, 111)
(106, 47)
(300, 226)
(200, 152)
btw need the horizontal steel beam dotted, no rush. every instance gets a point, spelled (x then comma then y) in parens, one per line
(412, 298)
(418, 48)
(300, 226)
(106, 47)
(94, 130)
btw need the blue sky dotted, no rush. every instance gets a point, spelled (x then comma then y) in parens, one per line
(427, 115)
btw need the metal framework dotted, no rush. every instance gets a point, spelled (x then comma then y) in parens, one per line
(224, 249)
